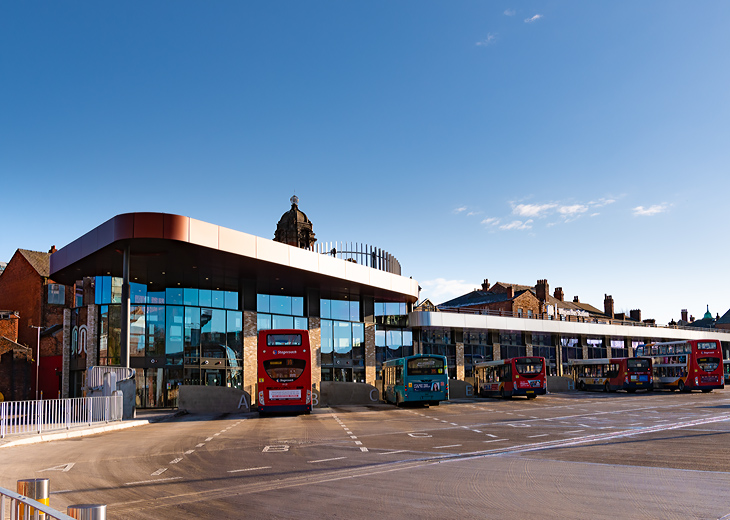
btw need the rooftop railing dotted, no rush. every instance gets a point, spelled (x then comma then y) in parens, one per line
(362, 254)
(568, 317)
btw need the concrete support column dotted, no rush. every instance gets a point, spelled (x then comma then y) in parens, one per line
(370, 360)
(66, 370)
(460, 361)
(315, 345)
(250, 355)
(496, 351)
(584, 345)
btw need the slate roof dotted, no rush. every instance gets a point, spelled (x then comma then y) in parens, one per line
(725, 318)
(41, 262)
(479, 298)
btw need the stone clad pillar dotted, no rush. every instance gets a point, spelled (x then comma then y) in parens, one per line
(370, 359)
(315, 345)
(460, 361)
(92, 337)
(65, 375)
(250, 355)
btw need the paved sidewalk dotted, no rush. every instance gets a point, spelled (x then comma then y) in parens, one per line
(142, 417)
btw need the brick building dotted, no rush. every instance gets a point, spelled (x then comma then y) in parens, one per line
(26, 288)
(17, 366)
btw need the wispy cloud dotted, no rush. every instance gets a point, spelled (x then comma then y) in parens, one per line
(575, 209)
(472, 213)
(460, 210)
(641, 211)
(533, 19)
(489, 40)
(517, 225)
(510, 12)
(532, 210)
(601, 202)
(491, 221)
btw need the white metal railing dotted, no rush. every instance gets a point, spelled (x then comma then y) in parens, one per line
(95, 375)
(20, 508)
(57, 414)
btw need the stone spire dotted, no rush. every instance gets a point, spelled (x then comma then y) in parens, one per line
(294, 228)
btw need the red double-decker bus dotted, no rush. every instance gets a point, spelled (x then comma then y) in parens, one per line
(509, 377)
(284, 371)
(694, 364)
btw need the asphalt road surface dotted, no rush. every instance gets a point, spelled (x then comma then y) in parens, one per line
(654, 455)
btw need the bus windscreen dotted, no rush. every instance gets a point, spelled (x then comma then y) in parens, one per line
(528, 366)
(425, 366)
(708, 364)
(284, 370)
(283, 340)
(638, 364)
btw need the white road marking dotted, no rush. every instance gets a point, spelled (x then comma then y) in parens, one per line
(248, 469)
(363, 448)
(449, 446)
(541, 435)
(189, 452)
(159, 472)
(325, 460)
(209, 439)
(353, 436)
(575, 431)
(477, 431)
(216, 434)
(61, 467)
(200, 445)
(391, 452)
(497, 440)
(359, 443)
(490, 435)
(149, 481)
(175, 461)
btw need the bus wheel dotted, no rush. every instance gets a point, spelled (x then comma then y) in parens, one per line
(631, 390)
(433, 403)
(581, 386)
(680, 386)
(531, 396)
(706, 390)
(397, 399)
(606, 387)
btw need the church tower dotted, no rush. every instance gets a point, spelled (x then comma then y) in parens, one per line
(294, 228)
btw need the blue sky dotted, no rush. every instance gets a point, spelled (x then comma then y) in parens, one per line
(582, 142)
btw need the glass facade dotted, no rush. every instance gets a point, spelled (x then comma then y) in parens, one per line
(343, 341)
(179, 336)
(542, 346)
(438, 341)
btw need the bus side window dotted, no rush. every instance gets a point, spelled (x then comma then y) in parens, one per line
(399, 375)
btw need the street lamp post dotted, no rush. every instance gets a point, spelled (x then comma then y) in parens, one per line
(37, 359)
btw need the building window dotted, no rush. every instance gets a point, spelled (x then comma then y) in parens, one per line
(56, 294)
(529, 313)
(280, 312)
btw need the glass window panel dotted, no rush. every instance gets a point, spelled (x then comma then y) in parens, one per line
(116, 290)
(263, 322)
(174, 334)
(379, 309)
(174, 296)
(114, 338)
(192, 335)
(402, 308)
(103, 331)
(354, 311)
(392, 308)
(358, 334)
(234, 329)
(297, 306)
(394, 338)
(190, 297)
(213, 332)
(155, 330)
(157, 298)
(232, 300)
(379, 338)
(280, 304)
(98, 284)
(343, 337)
(327, 342)
(204, 298)
(137, 293)
(262, 303)
(340, 310)
(136, 330)
(324, 309)
(282, 322)
(301, 323)
(218, 299)
(407, 338)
